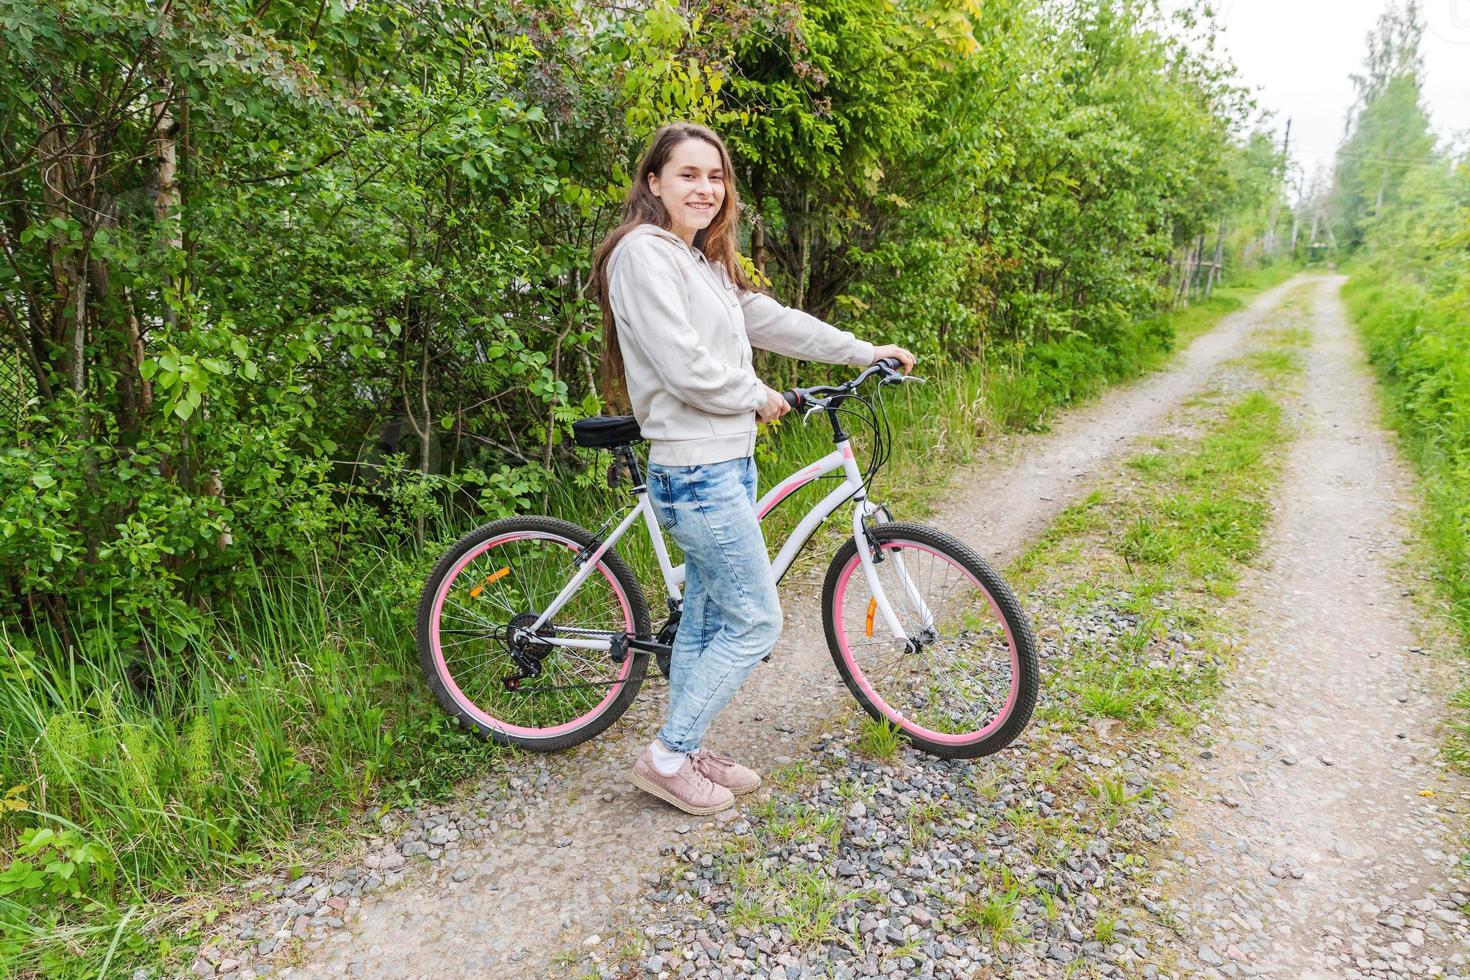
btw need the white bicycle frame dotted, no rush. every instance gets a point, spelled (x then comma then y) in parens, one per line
(840, 458)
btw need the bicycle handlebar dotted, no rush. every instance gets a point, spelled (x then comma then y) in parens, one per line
(888, 367)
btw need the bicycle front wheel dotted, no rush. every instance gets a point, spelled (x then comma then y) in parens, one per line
(492, 585)
(963, 681)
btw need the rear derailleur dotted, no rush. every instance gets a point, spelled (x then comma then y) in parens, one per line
(525, 652)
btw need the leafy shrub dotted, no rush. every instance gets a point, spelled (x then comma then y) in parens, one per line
(56, 863)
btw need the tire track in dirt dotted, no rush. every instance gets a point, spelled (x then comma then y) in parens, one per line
(1318, 839)
(562, 873)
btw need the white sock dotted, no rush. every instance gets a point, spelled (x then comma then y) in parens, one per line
(666, 761)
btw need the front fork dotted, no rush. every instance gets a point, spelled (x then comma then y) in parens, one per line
(870, 555)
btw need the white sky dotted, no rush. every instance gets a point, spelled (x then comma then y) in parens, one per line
(1297, 55)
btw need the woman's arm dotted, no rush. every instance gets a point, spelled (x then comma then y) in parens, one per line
(796, 333)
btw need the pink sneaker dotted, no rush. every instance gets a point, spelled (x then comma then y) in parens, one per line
(726, 772)
(688, 789)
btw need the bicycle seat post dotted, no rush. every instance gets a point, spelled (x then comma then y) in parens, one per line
(626, 454)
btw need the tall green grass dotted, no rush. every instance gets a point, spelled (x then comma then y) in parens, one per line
(305, 705)
(1418, 337)
(304, 708)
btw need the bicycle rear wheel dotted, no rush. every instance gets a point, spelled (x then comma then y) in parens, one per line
(536, 695)
(964, 681)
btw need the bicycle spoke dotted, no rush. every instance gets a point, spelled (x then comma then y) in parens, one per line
(471, 615)
(480, 638)
(960, 680)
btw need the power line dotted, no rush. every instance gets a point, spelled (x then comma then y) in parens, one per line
(1428, 159)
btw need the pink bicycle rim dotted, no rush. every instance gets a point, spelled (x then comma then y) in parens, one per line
(469, 706)
(883, 706)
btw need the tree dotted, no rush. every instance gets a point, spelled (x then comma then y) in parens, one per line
(1388, 133)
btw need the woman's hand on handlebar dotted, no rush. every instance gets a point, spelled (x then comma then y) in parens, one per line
(896, 352)
(802, 397)
(776, 406)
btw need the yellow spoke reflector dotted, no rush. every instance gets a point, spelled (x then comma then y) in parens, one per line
(872, 608)
(475, 592)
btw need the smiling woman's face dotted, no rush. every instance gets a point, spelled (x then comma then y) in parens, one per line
(692, 187)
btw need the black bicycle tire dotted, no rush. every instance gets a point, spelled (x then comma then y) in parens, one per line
(1005, 599)
(616, 566)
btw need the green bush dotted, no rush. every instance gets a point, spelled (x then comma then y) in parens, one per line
(288, 264)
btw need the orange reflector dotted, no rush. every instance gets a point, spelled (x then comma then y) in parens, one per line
(475, 592)
(872, 608)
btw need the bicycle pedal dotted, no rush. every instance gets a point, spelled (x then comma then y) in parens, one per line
(617, 648)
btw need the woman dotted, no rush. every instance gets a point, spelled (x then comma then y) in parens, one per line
(679, 316)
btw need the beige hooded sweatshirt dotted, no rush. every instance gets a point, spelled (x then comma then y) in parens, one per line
(685, 330)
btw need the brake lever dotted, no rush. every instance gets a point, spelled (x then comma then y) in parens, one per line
(901, 378)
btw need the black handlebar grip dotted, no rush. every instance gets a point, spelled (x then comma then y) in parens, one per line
(891, 363)
(793, 398)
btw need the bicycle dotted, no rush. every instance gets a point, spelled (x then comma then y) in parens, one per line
(534, 632)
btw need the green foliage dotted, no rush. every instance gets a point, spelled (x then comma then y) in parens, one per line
(293, 715)
(294, 292)
(56, 863)
(994, 217)
(1389, 141)
(291, 274)
(995, 909)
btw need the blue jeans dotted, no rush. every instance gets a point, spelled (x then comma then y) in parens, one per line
(731, 615)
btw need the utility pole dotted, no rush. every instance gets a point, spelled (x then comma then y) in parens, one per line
(1270, 236)
(1296, 205)
(1218, 265)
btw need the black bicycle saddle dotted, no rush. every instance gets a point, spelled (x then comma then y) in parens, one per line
(606, 431)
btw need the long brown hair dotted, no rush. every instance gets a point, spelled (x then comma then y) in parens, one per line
(719, 241)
